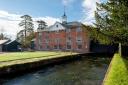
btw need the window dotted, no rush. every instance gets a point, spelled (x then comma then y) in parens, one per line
(68, 38)
(39, 35)
(57, 40)
(40, 47)
(40, 40)
(60, 46)
(79, 39)
(46, 40)
(79, 46)
(68, 46)
(68, 30)
(55, 46)
(47, 46)
(57, 31)
(57, 26)
(78, 29)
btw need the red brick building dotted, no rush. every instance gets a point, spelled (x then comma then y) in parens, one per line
(65, 36)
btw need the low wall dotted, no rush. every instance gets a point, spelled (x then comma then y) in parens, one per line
(19, 69)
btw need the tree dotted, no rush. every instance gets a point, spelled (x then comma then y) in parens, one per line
(27, 34)
(41, 24)
(3, 35)
(111, 22)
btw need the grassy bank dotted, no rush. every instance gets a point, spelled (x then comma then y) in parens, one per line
(118, 72)
(25, 57)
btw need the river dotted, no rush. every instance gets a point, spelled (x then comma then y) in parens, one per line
(85, 71)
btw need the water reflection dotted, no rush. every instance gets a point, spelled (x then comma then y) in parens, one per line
(87, 71)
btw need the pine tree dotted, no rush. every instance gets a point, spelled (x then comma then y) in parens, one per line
(112, 22)
(27, 33)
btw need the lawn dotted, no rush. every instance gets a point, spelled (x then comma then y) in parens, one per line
(7, 59)
(28, 55)
(118, 72)
(24, 55)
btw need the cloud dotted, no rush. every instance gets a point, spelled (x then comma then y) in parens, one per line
(9, 16)
(49, 20)
(89, 7)
(67, 2)
(9, 22)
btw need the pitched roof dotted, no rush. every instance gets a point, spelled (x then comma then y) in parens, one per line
(12, 42)
(54, 28)
(62, 26)
(75, 23)
(3, 41)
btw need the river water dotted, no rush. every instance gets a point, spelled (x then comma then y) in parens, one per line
(85, 71)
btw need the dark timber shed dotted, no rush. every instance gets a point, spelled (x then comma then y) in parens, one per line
(9, 46)
(2, 43)
(12, 46)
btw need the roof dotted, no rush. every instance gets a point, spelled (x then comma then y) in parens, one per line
(11, 42)
(54, 28)
(62, 26)
(3, 41)
(75, 23)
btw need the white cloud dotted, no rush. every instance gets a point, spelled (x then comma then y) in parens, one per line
(9, 16)
(9, 22)
(89, 7)
(49, 20)
(67, 2)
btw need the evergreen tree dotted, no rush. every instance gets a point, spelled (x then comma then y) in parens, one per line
(112, 22)
(41, 24)
(27, 34)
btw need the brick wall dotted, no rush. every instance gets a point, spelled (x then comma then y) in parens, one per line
(62, 39)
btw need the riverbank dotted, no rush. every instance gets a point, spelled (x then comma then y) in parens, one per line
(13, 63)
(79, 70)
(117, 72)
(8, 59)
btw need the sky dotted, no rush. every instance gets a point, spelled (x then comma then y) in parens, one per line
(48, 10)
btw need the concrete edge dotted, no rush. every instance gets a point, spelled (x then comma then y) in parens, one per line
(28, 66)
(31, 66)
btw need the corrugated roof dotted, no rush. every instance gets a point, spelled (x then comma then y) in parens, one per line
(3, 41)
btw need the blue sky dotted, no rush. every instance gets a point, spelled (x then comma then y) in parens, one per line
(48, 10)
(38, 8)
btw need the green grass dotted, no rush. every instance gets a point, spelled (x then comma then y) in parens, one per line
(25, 55)
(28, 55)
(7, 59)
(118, 72)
